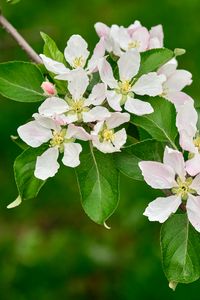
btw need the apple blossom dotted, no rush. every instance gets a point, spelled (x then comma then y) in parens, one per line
(172, 175)
(122, 92)
(49, 89)
(105, 138)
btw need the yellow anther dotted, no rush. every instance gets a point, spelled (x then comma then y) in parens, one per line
(125, 87)
(108, 135)
(196, 142)
(183, 188)
(134, 44)
(77, 106)
(58, 138)
(78, 62)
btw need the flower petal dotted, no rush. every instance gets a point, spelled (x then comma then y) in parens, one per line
(71, 154)
(53, 65)
(186, 119)
(77, 132)
(149, 84)
(169, 68)
(76, 49)
(52, 106)
(120, 138)
(116, 119)
(196, 184)
(97, 113)
(46, 122)
(34, 134)
(156, 37)
(162, 207)
(141, 37)
(178, 80)
(158, 175)
(46, 164)
(178, 98)
(193, 165)
(186, 142)
(129, 64)
(138, 107)
(99, 52)
(106, 73)
(97, 95)
(114, 99)
(102, 29)
(77, 83)
(175, 160)
(193, 211)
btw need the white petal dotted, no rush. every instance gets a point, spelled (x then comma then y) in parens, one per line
(76, 48)
(52, 106)
(169, 68)
(156, 33)
(186, 119)
(175, 160)
(186, 142)
(78, 83)
(120, 138)
(46, 122)
(141, 37)
(46, 164)
(105, 147)
(158, 175)
(98, 95)
(129, 64)
(193, 165)
(102, 29)
(53, 65)
(71, 154)
(178, 80)
(34, 134)
(178, 98)
(97, 113)
(114, 99)
(196, 184)
(193, 211)
(77, 132)
(15, 203)
(99, 52)
(106, 73)
(149, 84)
(71, 118)
(161, 208)
(138, 107)
(116, 119)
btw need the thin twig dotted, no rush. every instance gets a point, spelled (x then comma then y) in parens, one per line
(19, 39)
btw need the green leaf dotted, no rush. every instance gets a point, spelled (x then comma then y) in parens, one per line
(180, 248)
(161, 123)
(98, 183)
(28, 185)
(50, 48)
(127, 160)
(21, 81)
(153, 59)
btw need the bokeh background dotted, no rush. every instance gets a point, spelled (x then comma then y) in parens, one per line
(49, 249)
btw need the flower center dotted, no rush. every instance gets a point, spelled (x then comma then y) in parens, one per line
(183, 188)
(58, 138)
(134, 44)
(78, 62)
(196, 142)
(125, 87)
(77, 106)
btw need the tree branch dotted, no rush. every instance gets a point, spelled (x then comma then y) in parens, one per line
(19, 39)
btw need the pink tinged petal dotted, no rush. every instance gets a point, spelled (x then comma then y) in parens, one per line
(123, 38)
(134, 26)
(102, 29)
(129, 64)
(116, 119)
(53, 65)
(114, 99)
(120, 138)
(141, 35)
(78, 133)
(193, 165)
(76, 48)
(161, 208)
(34, 134)
(106, 73)
(149, 84)
(156, 33)
(98, 95)
(71, 154)
(46, 164)
(138, 107)
(186, 142)
(97, 113)
(52, 106)
(196, 184)
(186, 119)
(78, 83)
(178, 80)
(169, 68)
(193, 211)
(158, 175)
(175, 160)
(99, 52)
(46, 122)
(178, 98)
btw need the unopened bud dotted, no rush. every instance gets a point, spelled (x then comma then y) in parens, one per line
(49, 88)
(179, 51)
(173, 285)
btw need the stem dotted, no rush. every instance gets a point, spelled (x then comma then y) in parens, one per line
(19, 39)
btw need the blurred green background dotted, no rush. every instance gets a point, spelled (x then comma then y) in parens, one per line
(49, 249)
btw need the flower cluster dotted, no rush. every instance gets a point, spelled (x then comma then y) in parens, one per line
(103, 91)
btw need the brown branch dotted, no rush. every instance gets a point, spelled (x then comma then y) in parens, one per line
(19, 39)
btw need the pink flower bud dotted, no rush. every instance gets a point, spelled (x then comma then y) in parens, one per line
(48, 88)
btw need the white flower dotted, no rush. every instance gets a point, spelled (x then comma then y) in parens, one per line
(171, 174)
(76, 54)
(122, 92)
(176, 80)
(77, 107)
(105, 138)
(60, 140)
